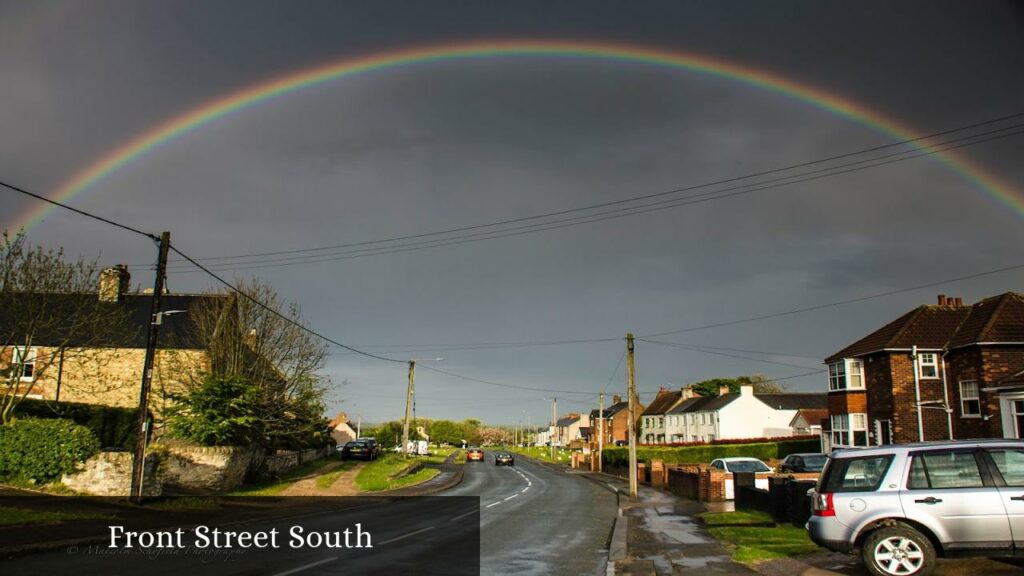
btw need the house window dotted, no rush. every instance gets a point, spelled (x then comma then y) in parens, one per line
(848, 373)
(661, 422)
(711, 437)
(24, 364)
(970, 402)
(849, 429)
(712, 417)
(928, 365)
(703, 418)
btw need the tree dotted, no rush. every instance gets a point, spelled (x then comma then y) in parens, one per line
(219, 412)
(446, 432)
(762, 385)
(50, 312)
(256, 336)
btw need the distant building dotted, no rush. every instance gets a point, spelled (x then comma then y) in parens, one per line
(729, 415)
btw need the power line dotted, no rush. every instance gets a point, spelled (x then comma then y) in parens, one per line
(726, 354)
(633, 199)
(416, 348)
(500, 384)
(656, 206)
(837, 303)
(780, 354)
(81, 212)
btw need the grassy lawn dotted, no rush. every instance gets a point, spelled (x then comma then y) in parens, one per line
(20, 516)
(381, 473)
(438, 455)
(756, 543)
(275, 487)
(415, 478)
(542, 453)
(324, 481)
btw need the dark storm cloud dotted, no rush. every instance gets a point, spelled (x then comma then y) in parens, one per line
(415, 150)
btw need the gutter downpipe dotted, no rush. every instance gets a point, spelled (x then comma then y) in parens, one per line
(917, 395)
(945, 398)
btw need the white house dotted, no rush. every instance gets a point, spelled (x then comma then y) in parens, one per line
(652, 420)
(736, 416)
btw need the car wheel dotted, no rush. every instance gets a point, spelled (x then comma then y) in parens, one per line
(898, 551)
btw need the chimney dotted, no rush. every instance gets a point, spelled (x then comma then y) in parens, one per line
(746, 390)
(942, 300)
(114, 283)
(959, 301)
(686, 392)
(723, 389)
(616, 399)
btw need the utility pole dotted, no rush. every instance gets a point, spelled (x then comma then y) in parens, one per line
(631, 382)
(359, 426)
(142, 422)
(554, 425)
(408, 407)
(600, 432)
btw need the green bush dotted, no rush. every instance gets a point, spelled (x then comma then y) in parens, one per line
(43, 449)
(707, 452)
(114, 426)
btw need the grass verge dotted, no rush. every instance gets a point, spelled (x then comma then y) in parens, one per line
(19, 516)
(275, 487)
(324, 481)
(415, 478)
(755, 542)
(543, 453)
(383, 473)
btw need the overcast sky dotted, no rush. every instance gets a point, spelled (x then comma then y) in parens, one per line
(445, 145)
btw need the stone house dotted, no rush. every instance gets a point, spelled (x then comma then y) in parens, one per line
(940, 371)
(107, 370)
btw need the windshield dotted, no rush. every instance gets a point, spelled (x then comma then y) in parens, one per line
(815, 462)
(747, 466)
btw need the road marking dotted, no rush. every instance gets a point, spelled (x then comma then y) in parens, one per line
(307, 566)
(404, 536)
(510, 497)
(461, 516)
(493, 504)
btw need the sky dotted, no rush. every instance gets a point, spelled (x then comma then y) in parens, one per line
(457, 143)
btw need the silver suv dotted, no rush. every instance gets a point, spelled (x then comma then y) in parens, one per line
(904, 505)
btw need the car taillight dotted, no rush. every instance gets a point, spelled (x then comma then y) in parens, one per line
(821, 504)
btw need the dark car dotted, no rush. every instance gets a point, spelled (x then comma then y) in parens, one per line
(807, 462)
(504, 459)
(358, 450)
(374, 446)
(474, 455)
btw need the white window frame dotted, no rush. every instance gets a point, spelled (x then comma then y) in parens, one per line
(965, 398)
(24, 358)
(844, 427)
(933, 363)
(842, 373)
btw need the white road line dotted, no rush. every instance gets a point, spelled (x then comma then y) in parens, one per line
(493, 504)
(307, 566)
(461, 516)
(510, 497)
(404, 536)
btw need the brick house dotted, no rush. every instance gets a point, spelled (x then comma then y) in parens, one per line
(615, 426)
(108, 370)
(940, 371)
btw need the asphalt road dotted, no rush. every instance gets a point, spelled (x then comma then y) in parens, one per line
(523, 520)
(536, 520)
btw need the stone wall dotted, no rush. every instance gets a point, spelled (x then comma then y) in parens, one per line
(110, 474)
(204, 468)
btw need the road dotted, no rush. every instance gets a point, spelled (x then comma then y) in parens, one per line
(537, 520)
(525, 520)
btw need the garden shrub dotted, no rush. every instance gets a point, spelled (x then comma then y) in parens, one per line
(41, 450)
(113, 425)
(703, 453)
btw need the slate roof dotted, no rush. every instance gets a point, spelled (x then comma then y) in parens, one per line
(567, 421)
(794, 400)
(992, 320)
(176, 331)
(609, 411)
(663, 402)
(812, 416)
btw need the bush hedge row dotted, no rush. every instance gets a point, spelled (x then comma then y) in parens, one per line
(115, 427)
(703, 453)
(41, 450)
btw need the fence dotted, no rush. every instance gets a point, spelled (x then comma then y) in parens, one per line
(786, 498)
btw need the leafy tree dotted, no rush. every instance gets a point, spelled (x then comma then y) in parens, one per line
(762, 385)
(220, 412)
(49, 310)
(446, 432)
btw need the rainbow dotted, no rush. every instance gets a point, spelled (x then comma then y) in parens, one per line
(241, 100)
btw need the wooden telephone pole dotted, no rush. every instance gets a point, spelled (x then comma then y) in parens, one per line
(142, 420)
(408, 407)
(600, 433)
(633, 401)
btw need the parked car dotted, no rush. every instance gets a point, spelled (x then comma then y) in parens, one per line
(374, 446)
(504, 459)
(806, 462)
(740, 464)
(358, 450)
(474, 455)
(904, 505)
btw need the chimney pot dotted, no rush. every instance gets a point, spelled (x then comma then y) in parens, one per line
(616, 399)
(723, 389)
(959, 301)
(114, 282)
(942, 299)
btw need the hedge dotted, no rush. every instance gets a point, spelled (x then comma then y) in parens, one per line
(41, 450)
(702, 453)
(113, 426)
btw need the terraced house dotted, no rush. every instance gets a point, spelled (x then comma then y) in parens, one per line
(941, 371)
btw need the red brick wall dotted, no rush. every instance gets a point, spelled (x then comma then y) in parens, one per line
(988, 365)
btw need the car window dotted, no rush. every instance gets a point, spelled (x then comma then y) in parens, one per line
(748, 466)
(855, 474)
(815, 461)
(945, 470)
(1010, 464)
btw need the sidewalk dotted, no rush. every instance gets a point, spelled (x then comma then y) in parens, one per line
(659, 535)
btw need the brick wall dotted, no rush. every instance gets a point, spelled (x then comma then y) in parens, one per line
(988, 365)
